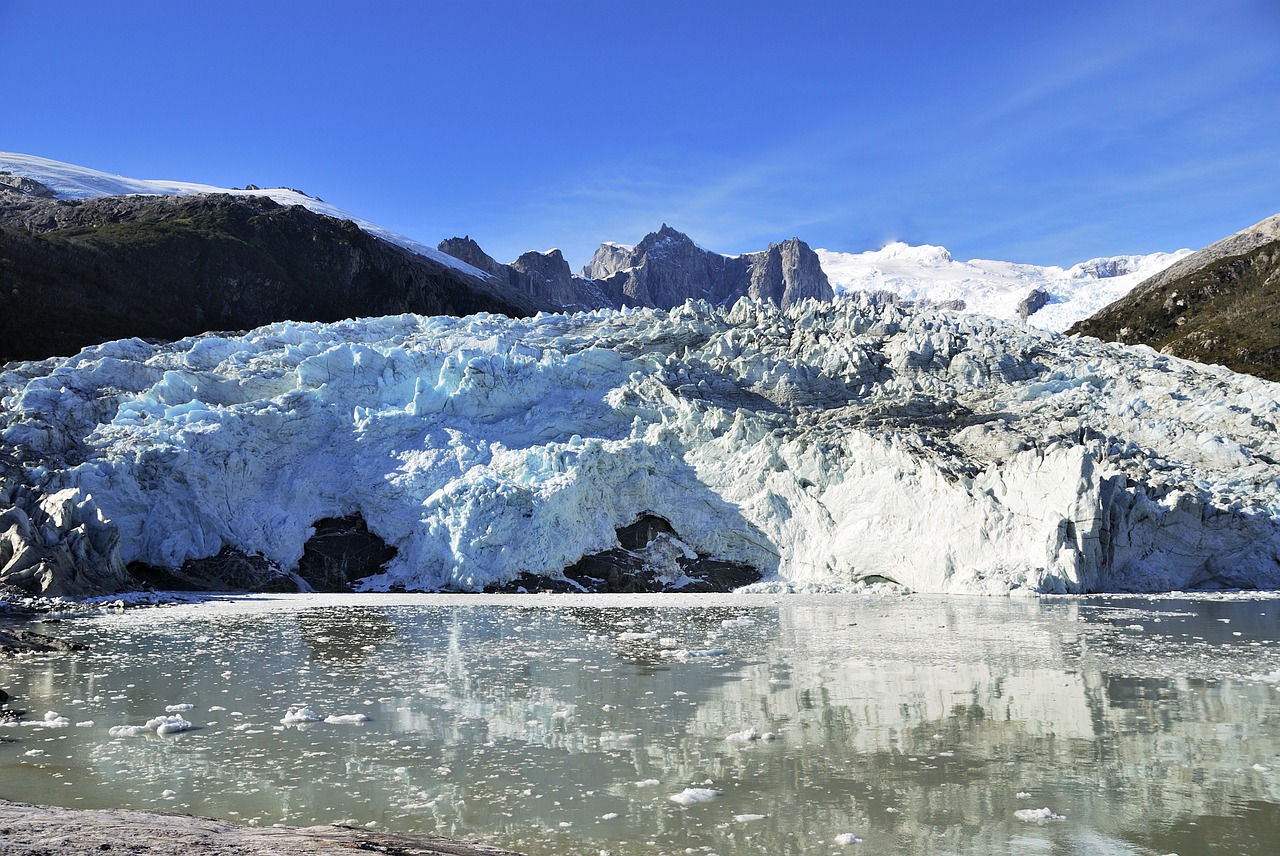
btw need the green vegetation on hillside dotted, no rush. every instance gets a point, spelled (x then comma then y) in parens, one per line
(1226, 313)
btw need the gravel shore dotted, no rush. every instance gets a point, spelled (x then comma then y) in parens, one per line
(28, 830)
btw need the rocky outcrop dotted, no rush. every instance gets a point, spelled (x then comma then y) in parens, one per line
(15, 640)
(543, 279)
(231, 570)
(1217, 305)
(82, 272)
(667, 268)
(25, 186)
(342, 551)
(1036, 300)
(650, 557)
(55, 544)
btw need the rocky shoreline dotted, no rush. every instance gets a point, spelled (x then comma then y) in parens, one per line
(27, 830)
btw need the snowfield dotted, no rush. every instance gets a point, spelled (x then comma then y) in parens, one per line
(825, 444)
(930, 275)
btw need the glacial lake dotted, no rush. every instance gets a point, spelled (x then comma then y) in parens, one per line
(675, 724)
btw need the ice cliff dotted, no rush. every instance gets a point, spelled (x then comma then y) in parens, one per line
(823, 444)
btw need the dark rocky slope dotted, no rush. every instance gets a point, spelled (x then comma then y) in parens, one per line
(81, 272)
(1220, 305)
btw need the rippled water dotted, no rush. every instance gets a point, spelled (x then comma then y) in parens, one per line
(565, 725)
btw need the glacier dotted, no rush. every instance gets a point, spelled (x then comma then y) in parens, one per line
(826, 445)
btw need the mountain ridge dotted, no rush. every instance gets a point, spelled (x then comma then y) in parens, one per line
(1218, 305)
(84, 271)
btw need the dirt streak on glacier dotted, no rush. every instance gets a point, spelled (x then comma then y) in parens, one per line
(822, 444)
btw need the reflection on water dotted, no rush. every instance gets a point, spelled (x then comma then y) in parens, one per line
(919, 725)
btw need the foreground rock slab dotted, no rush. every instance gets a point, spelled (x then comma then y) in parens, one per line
(16, 641)
(29, 829)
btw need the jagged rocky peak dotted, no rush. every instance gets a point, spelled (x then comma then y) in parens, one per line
(787, 273)
(543, 276)
(665, 239)
(667, 268)
(466, 250)
(549, 265)
(609, 258)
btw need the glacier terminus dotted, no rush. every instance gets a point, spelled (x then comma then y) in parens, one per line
(825, 445)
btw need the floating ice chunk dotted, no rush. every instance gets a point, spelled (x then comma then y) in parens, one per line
(88, 723)
(55, 720)
(609, 816)
(178, 708)
(687, 654)
(157, 725)
(345, 719)
(169, 724)
(691, 796)
(648, 783)
(748, 818)
(168, 794)
(630, 635)
(1037, 815)
(298, 715)
(740, 621)
(848, 838)
(1023, 795)
(1262, 768)
(746, 736)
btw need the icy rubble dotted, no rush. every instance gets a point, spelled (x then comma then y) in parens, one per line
(823, 444)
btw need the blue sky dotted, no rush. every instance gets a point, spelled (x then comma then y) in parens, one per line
(1045, 133)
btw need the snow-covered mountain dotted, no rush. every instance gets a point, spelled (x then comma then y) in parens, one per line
(823, 444)
(68, 181)
(1001, 289)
